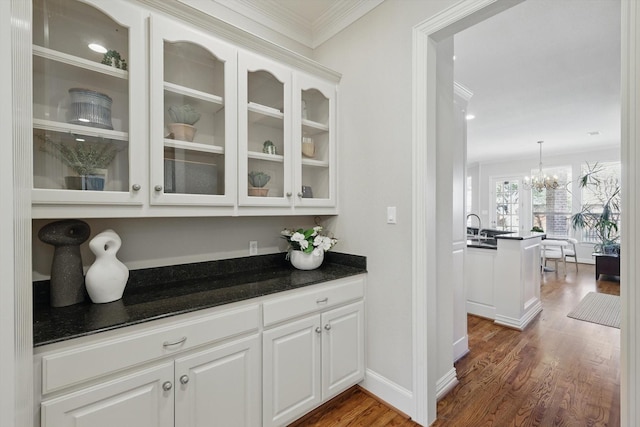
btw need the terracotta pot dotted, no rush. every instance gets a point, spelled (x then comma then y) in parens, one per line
(258, 192)
(182, 131)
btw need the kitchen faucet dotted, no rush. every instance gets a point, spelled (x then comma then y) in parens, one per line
(479, 222)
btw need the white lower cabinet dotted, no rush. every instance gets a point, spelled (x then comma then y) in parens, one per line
(220, 387)
(217, 387)
(201, 370)
(218, 368)
(141, 399)
(310, 360)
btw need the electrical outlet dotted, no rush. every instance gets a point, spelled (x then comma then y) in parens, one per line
(253, 247)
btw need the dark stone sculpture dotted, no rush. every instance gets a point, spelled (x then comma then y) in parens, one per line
(67, 278)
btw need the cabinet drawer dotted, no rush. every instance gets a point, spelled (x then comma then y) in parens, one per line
(328, 295)
(68, 367)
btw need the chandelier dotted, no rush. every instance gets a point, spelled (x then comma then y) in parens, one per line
(540, 180)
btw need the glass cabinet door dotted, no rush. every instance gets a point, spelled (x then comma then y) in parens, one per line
(264, 132)
(193, 116)
(314, 142)
(88, 62)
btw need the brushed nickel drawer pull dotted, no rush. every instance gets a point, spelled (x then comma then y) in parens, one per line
(323, 300)
(169, 344)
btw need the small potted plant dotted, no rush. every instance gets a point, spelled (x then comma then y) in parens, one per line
(113, 58)
(88, 161)
(307, 246)
(257, 180)
(183, 118)
(269, 147)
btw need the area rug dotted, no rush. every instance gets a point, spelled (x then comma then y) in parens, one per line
(598, 308)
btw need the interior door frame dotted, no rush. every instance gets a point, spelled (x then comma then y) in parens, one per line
(425, 38)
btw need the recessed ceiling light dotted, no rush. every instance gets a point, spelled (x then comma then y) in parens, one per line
(593, 133)
(80, 119)
(80, 139)
(469, 117)
(97, 48)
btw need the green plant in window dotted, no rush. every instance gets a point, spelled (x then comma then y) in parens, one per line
(601, 215)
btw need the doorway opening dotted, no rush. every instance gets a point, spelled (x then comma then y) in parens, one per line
(426, 38)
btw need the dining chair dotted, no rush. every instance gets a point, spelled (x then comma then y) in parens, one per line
(553, 250)
(571, 252)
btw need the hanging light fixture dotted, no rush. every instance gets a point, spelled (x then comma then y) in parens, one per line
(540, 180)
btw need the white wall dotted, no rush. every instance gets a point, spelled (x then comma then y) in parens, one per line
(374, 130)
(153, 242)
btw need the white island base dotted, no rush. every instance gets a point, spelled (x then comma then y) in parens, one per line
(503, 284)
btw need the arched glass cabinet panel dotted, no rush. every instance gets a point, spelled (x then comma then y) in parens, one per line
(193, 123)
(88, 74)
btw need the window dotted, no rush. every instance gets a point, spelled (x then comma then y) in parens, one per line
(508, 206)
(552, 208)
(607, 175)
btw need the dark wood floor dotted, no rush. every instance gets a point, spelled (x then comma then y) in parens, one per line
(558, 372)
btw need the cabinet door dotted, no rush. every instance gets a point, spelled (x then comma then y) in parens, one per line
(89, 107)
(220, 387)
(264, 132)
(314, 142)
(291, 371)
(135, 400)
(193, 116)
(342, 349)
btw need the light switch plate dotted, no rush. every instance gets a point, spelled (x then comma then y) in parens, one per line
(391, 215)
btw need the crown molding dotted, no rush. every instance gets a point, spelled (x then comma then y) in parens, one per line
(338, 17)
(277, 17)
(230, 33)
(273, 15)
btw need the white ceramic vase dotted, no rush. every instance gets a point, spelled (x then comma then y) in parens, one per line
(107, 276)
(305, 261)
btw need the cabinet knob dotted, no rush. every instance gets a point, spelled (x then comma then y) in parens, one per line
(166, 386)
(318, 330)
(184, 379)
(300, 195)
(327, 326)
(158, 188)
(288, 193)
(136, 187)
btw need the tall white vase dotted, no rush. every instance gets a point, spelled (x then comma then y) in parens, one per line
(107, 276)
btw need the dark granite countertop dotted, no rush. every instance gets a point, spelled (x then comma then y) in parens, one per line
(160, 292)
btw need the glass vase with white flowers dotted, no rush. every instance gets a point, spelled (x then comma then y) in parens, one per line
(307, 246)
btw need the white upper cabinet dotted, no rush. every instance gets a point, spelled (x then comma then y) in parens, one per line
(264, 132)
(168, 119)
(89, 108)
(286, 137)
(193, 116)
(315, 141)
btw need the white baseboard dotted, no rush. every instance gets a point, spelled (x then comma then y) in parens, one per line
(482, 310)
(460, 348)
(389, 392)
(522, 322)
(446, 383)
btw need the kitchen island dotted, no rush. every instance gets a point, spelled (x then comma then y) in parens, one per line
(503, 279)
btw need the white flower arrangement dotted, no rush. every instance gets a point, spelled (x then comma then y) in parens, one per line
(309, 240)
